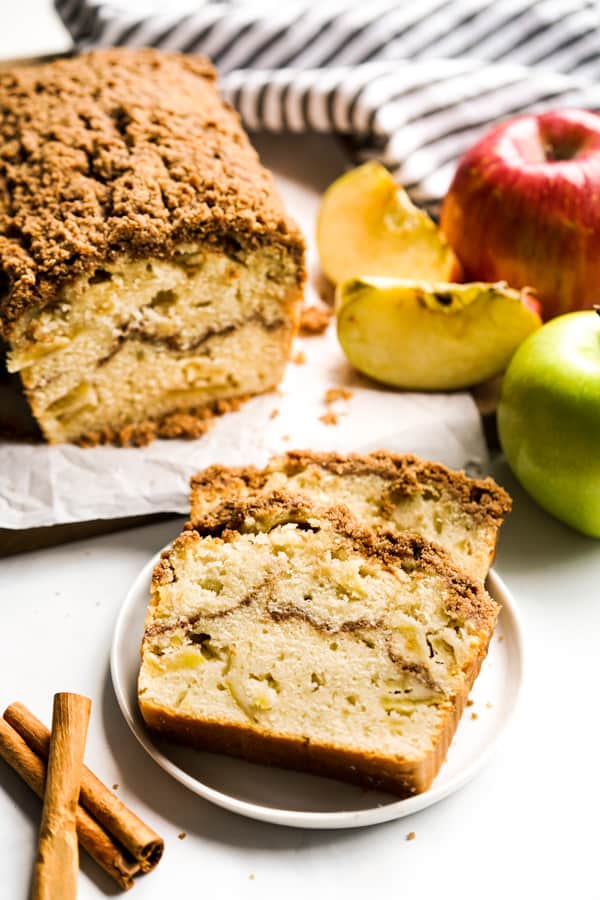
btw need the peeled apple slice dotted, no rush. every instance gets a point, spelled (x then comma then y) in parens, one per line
(432, 337)
(367, 225)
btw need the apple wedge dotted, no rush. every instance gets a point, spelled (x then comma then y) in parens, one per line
(432, 337)
(367, 225)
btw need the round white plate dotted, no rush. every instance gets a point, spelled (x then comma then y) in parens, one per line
(307, 801)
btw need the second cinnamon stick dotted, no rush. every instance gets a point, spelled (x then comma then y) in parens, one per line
(100, 846)
(138, 838)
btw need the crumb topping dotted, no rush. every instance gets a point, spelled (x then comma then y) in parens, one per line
(122, 151)
(407, 475)
(480, 497)
(464, 596)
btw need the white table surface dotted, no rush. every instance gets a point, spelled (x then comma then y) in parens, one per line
(525, 827)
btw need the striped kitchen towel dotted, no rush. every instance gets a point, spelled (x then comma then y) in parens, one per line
(412, 82)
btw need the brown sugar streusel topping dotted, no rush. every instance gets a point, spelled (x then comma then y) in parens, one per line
(406, 474)
(122, 152)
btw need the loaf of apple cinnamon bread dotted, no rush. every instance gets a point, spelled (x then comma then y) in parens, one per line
(380, 489)
(287, 634)
(148, 273)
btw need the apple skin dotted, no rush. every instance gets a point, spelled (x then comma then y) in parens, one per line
(524, 207)
(368, 226)
(549, 419)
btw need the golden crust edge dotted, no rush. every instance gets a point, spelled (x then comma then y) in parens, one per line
(374, 772)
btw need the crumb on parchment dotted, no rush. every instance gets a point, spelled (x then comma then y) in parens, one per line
(474, 716)
(328, 418)
(299, 357)
(182, 835)
(332, 395)
(337, 393)
(314, 320)
(410, 836)
(470, 702)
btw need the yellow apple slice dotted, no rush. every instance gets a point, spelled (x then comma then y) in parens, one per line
(367, 225)
(432, 337)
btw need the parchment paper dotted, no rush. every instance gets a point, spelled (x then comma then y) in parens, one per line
(43, 485)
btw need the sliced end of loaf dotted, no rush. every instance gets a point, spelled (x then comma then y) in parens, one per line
(147, 346)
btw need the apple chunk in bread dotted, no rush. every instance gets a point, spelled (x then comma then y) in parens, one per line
(432, 337)
(367, 225)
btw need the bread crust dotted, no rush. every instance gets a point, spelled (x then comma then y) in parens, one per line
(117, 152)
(188, 424)
(372, 771)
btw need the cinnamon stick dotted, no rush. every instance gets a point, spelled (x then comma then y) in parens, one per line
(144, 844)
(32, 770)
(57, 862)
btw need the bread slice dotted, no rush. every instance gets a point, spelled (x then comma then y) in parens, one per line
(381, 489)
(289, 635)
(149, 276)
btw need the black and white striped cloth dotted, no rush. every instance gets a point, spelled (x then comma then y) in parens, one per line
(412, 82)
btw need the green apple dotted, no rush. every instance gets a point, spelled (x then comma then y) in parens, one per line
(431, 337)
(367, 225)
(549, 419)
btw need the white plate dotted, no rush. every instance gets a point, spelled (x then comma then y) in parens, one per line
(307, 801)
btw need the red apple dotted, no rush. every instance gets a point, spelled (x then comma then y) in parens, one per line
(524, 207)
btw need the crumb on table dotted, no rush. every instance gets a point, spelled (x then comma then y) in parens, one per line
(182, 835)
(314, 320)
(410, 836)
(115, 787)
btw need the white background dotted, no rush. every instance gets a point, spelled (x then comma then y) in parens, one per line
(526, 827)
